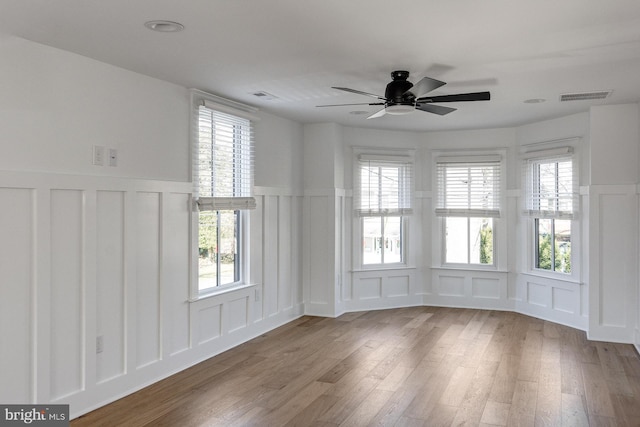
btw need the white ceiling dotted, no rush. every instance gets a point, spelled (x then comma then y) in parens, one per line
(297, 49)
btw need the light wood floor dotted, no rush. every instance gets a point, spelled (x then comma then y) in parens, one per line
(420, 366)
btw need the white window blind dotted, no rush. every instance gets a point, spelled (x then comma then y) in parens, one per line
(468, 187)
(223, 166)
(384, 186)
(551, 187)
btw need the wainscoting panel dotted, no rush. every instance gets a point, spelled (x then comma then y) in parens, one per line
(95, 298)
(270, 234)
(176, 248)
(285, 284)
(319, 264)
(16, 293)
(378, 289)
(237, 314)
(451, 286)
(398, 286)
(613, 271)
(551, 299)
(485, 287)
(147, 299)
(469, 288)
(209, 323)
(369, 288)
(110, 289)
(67, 289)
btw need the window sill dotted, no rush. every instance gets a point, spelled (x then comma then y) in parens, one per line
(221, 291)
(558, 277)
(469, 268)
(383, 268)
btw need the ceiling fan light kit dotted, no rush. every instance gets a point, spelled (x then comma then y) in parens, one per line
(400, 109)
(403, 97)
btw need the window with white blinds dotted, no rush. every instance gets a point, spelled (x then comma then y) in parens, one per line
(384, 185)
(223, 166)
(468, 187)
(551, 186)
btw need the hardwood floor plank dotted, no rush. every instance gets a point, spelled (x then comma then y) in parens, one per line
(504, 382)
(311, 412)
(425, 366)
(596, 391)
(288, 409)
(457, 387)
(368, 408)
(345, 406)
(549, 400)
(496, 413)
(523, 406)
(472, 406)
(574, 413)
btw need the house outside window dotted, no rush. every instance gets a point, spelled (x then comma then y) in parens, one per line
(383, 202)
(551, 203)
(468, 204)
(223, 179)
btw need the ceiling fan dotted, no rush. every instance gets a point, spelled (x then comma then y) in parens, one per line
(402, 96)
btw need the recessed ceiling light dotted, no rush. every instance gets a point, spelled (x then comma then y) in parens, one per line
(164, 26)
(534, 101)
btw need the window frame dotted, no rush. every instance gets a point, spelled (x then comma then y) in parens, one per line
(537, 156)
(404, 211)
(499, 243)
(198, 99)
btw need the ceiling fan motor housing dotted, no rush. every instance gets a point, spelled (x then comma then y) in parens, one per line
(396, 92)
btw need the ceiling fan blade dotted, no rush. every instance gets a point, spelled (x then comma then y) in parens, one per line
(435, 109)
(343, 105)
(425, 86)
(475, 96)
(359, 92)
(378, 114)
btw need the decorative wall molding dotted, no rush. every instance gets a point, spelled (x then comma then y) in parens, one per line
(105, 258)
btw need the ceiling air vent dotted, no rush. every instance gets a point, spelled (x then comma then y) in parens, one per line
(585, 96)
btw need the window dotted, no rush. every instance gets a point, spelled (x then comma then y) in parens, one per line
(383, 201)
(551, 203)
(223, 177)
(468, 202)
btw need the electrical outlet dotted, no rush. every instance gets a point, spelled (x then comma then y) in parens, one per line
(99, 344)
(98, 155)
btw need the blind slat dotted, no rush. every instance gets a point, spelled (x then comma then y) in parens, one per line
(550, 187)
(384, 186)
(223, 167)
(468, 188)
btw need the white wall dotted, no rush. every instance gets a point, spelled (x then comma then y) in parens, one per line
(613, 225)
(90, 252)
(56, 106)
